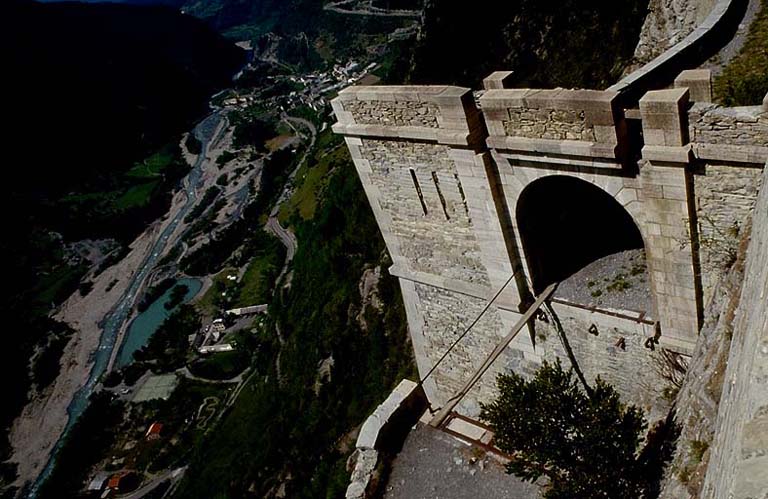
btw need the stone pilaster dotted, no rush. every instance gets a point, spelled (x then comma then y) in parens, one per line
(667, 203)
(698, 82)
(498, 79)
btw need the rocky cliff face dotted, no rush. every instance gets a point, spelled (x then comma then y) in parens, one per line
(722, 407)
(739, 456)
(668, 22)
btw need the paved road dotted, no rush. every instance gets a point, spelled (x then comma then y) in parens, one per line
(173, 475)
(286, 236)
(184, 371)
(367, 9)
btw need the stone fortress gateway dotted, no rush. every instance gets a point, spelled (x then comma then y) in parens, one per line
(462, 186)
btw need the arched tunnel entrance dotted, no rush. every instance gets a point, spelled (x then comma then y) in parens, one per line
(566, 223)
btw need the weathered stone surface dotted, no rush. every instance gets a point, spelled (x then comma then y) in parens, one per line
(419, 190)
(553, 115)
(498, 79)
(396, 113)
(667, 23)
(710, 124)
(555, 124)
(365, 465)
(739, 456)
(616, 351)
(398, 400)
(698, 82)
(444, 316)
(725, 199)
(664, 118)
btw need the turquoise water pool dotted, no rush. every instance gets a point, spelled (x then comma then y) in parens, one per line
(146, 323)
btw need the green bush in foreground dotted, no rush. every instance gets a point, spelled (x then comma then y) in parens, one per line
(587, 447)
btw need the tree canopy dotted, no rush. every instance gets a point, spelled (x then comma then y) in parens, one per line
(586, 446)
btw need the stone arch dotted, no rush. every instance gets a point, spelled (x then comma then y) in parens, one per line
(565, 222)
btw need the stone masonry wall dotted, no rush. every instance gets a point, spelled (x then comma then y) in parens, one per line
(585, 123)
(395, 113)
(445, 315)
(630, 367)
(557, 124)
(725, 199)
(711, 124)
(447, 213)
(435, 237)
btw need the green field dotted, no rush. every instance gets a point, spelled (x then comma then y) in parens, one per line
(312, 178)
(138, 195)
(153, 166)
(256, 285)
(211, 301)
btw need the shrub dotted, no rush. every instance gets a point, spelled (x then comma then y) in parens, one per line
(566, 435)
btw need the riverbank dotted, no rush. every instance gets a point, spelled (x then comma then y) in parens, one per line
(43, 420)
(108, 305)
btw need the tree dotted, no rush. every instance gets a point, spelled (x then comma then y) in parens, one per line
(586, 446)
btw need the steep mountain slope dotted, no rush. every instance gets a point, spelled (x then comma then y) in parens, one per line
(546, 42)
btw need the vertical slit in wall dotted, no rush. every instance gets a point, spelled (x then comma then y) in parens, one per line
(461, 191)
(418, 191)
(440, 195)
(693, 227)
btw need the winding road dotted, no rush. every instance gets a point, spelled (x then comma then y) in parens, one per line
(286, 236)
(366, 8)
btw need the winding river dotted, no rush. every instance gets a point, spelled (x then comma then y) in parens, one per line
(205, 131)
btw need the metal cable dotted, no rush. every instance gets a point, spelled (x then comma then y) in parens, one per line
(468, 329)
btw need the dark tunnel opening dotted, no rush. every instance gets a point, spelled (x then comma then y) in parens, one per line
(566, 223)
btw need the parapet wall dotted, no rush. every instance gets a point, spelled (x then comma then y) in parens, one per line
(736, 134)
(577, 122)
(442, 114)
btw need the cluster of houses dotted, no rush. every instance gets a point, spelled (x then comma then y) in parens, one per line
(316, 87)
(208, 341)
(106, 484)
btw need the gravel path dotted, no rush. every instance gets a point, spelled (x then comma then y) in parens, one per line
(434, 465)
(619, 281)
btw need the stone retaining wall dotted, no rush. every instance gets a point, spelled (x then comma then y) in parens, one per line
(725, 200)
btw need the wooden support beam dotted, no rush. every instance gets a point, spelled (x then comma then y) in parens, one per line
(441, 415)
